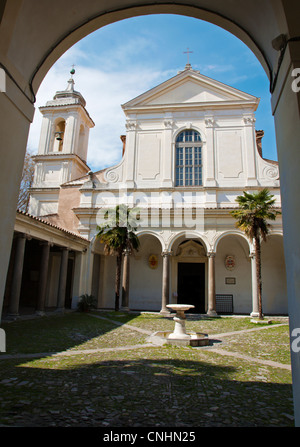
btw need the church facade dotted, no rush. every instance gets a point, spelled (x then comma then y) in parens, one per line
(190, 149)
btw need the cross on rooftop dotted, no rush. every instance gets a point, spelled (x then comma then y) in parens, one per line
(188, 55)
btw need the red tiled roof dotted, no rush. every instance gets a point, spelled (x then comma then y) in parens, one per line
(39, 219)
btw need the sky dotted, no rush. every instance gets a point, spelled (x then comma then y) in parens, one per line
(123, 60)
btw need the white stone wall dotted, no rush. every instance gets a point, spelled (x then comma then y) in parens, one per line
(145, 282)
(242, 289)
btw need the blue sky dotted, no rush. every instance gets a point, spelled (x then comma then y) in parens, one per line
(125, 59)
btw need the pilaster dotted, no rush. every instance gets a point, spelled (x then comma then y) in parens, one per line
(210, 179)
(130, 153)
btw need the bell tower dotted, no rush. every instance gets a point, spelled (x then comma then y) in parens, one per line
(63, 147)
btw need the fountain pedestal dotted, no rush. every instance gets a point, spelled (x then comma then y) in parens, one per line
(179, 337)
(179, 332)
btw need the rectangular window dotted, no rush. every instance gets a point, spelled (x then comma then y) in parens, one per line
(189, 135)
(197, 136)
(188, 166)
(188, 158)
(179, 176)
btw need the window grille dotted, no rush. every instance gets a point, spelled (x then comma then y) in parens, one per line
(188, 170)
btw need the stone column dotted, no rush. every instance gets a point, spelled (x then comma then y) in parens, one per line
(125, 280)
(43, 278)
(62, 279)
(211, 286)
(165, 283)
(254, 312)
(17, 276)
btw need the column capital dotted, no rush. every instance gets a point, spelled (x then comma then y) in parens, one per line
(211, 254)
(167, 253)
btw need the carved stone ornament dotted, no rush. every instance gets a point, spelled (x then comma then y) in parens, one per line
(131, 125)
(168, 124)
(230, 262)
(112, 176)
(209, 122)
(190, 249)
(249, 120)
(271, 172)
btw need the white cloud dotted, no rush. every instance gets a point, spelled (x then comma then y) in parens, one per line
(104, 93)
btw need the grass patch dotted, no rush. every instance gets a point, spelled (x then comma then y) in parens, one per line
(272, 344)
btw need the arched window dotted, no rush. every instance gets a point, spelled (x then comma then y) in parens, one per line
(188, 169)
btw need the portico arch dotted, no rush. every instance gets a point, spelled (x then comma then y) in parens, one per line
(231, 233)
(144, 233)
(181, 236)
(26, 61)
(189, 267)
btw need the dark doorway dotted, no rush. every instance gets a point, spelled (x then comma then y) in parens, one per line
(191, 285)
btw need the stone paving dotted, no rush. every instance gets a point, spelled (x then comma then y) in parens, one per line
(73, 399)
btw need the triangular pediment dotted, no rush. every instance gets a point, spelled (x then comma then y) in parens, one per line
(190, 88)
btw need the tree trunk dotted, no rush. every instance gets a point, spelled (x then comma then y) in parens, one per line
(118, 281)
(125, 284)
(258, 276)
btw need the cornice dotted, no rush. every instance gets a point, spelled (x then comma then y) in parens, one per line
(213, 105)
(61, 156)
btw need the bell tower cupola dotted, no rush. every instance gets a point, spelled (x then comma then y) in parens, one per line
(63, 146)
(66, 123)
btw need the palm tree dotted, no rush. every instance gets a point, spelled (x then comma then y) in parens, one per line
(118, 234)
(252, 217)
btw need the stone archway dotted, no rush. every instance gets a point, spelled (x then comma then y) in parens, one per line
(189, 270)
(26, 61)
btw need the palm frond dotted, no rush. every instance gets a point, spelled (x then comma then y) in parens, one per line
(254, 212)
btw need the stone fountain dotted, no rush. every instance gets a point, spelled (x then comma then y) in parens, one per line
(180, 337)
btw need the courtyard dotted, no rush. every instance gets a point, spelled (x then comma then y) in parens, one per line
(99, 369)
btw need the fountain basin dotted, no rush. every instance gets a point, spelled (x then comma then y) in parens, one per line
(179, 337)
(193, 339)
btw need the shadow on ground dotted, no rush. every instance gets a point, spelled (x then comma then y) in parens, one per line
(150, 391)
